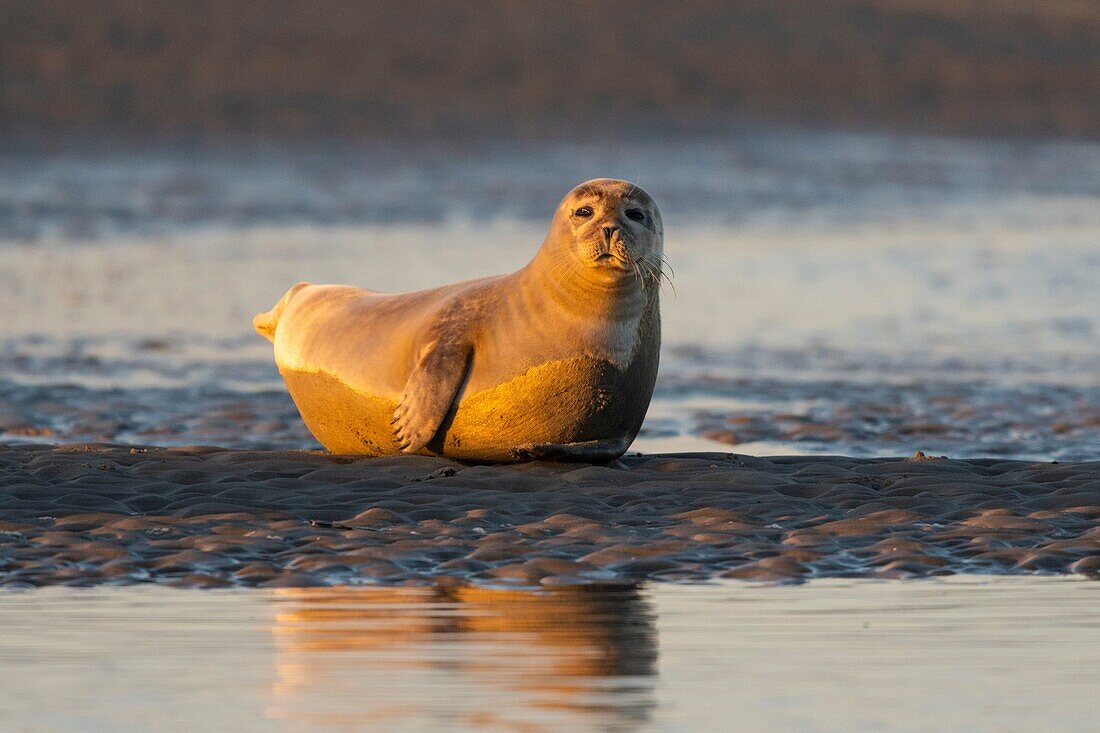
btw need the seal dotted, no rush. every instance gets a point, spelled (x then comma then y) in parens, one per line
(556, 361)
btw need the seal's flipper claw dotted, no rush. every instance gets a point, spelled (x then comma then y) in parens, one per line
(430, 393)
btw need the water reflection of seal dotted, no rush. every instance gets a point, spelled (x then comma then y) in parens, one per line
(556, 360)
(587, 652)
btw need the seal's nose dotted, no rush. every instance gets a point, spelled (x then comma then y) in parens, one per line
(608, 233)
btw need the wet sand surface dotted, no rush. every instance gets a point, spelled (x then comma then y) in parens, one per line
(207, 517)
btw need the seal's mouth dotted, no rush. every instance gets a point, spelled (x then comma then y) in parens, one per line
(613, 260)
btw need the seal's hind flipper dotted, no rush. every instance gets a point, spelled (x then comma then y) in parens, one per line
(590, 451)
(430, 393)
(265, 323)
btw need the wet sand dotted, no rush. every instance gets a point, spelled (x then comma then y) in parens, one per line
(205, 517)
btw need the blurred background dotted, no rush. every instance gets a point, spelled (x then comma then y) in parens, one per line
(203, 68)
(883, 214)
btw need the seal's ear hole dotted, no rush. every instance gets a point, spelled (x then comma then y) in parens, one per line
(583, 212)
(635, 214)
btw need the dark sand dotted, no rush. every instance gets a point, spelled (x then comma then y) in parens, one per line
(92, 514)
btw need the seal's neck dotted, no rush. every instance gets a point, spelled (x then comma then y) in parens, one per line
(581, 289)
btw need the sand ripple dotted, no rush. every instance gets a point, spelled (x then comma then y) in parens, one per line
(93, 514)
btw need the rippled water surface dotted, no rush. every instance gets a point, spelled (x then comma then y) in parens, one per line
(967, 654)
(857, 294)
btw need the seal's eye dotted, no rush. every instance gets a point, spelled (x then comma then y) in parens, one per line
(583, 212)
(635, 214)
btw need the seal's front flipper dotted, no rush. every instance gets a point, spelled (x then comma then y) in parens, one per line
(592, 451)
(429, 394)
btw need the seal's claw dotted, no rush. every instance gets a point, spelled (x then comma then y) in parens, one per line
(407, 435)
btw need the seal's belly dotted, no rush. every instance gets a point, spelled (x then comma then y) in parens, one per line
(567, 401)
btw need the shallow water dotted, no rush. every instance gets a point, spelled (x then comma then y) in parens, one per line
(856, 294)
(965, 654)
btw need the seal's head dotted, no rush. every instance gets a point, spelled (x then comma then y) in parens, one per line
(609, 231)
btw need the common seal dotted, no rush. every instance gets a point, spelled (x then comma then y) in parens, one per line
(555, 361)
